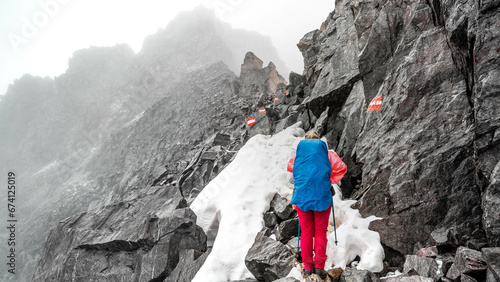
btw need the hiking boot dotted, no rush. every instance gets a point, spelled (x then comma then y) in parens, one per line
(321, 273)
(308, 273)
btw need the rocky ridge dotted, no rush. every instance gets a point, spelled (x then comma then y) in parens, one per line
(416, 163)
(70, 150)
(143, 232)
(426, 163)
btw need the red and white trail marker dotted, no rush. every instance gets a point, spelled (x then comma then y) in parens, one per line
(276, 99)
(262, 110)
(375, 104)
(250, 121)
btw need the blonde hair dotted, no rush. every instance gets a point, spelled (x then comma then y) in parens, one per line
(311, 134)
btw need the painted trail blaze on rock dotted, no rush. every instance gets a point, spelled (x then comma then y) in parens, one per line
(250, 121)
(276, 99)
(375, 104)
(262, 110)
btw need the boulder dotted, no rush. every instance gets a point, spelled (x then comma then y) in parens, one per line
(470, 262)
(354, 275)
(287, 229)
(142, 238)
(269, 259)
(423, 266)
(281, 207)
(270, 219)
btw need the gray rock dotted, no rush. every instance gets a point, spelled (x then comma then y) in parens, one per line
(469, 262)
(491, 203)
(270, 219)
(321, 124)
(133, 240)
(417, 86)
(269, 259)
(296, 79)
(486, 85)
(423, 266)
(292, 245)
(287, 229)
(357, 275)
(291, 119)
(492, 258)
(281, 207)
(221, 139)
(190, 261)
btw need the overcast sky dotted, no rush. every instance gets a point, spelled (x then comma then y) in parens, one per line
(38, 36)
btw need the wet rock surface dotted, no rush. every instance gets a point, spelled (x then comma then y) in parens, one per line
(140, 239)
(426, 163)
(117, 120)
(423, 266)
(426, 159)
(268, 259)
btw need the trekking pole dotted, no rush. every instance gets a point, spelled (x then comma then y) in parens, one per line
(298, 241)
(334, 226)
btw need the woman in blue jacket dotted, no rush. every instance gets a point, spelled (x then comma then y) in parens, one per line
(313, 199)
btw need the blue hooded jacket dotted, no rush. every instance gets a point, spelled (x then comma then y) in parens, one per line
(311, 171)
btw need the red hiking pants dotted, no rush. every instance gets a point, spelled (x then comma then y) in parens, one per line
(313, 228)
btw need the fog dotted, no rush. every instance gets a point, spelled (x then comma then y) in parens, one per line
(38, 37)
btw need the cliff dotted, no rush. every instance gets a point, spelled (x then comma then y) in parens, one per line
(116, 120)
(426, 163)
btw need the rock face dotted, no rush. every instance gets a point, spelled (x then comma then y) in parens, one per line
(140, 239)
(426, 163)
(118, 121)
(164, 251)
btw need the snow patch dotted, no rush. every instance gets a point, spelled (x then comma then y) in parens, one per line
(232, 206)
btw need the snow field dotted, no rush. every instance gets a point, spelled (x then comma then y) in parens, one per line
(236, 199)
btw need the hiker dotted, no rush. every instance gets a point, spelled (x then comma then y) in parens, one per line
(312, 197)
